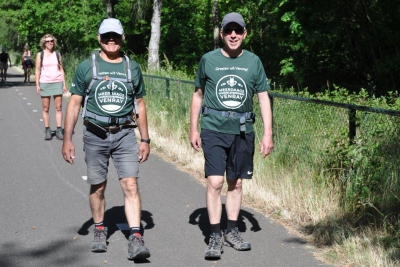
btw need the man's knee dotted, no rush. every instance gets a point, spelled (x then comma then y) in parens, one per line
(235, 184)
(215, 183)
(98, 189)
(129, 186)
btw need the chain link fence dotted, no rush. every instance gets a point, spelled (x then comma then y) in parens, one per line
(358, 146)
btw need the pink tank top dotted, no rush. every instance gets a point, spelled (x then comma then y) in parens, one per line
(50, 72)
(27, 55)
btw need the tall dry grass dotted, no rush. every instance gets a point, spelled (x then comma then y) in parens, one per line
(299, 193)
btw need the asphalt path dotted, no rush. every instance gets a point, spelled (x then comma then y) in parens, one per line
(45, 218)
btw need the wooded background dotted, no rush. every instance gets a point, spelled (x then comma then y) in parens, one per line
(304, 44)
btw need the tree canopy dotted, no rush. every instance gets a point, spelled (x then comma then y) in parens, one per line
(302, 43)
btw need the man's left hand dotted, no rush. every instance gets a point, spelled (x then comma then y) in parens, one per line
(144, 151)
(266, 145)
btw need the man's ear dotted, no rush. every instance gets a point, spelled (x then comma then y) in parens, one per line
(98, 38)
(123, 37)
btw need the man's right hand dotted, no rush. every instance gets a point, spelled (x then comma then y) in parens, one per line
(195, 140)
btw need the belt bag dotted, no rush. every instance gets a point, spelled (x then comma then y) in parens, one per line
(231, 114)
(110, 120)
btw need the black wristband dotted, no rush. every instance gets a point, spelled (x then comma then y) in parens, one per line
(145, 140)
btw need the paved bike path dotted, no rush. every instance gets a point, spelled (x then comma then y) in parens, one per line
(45, 217)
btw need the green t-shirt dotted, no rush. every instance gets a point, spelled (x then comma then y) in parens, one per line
(107, 99)
(229, 84)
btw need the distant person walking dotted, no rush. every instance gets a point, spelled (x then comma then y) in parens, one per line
(4, 58)
(50, 81)
(226, 81)
(27, 63)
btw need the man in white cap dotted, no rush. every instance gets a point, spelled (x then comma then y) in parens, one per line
(4, 57)
(226, 81)
(110, 85)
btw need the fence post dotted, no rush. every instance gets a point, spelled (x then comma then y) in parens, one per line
(352, 124)
(167, 88)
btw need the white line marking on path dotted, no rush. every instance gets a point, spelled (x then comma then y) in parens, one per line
(29, 104)
(84, 178)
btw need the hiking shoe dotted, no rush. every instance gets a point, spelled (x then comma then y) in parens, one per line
(233, 239)
(47, 134)
(99, 243)
(136, 248)
(214, 249)
(59, 134)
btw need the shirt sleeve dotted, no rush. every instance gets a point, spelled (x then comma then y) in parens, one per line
(138, 82)
(201, 78)
(79, 82)
(262, 83)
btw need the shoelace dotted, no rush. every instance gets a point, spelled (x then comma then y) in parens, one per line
(138, 240)
(214, 243)
(236, 236)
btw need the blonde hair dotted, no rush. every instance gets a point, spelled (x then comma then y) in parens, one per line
(43, 41)
(26, 46)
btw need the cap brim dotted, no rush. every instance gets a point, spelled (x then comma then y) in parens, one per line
(105, 30)
(226, 23)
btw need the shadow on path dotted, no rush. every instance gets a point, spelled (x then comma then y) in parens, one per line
(20, 82)
(13, 254)
(116, 216)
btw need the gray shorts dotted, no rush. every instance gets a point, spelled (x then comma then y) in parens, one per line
(228, 153)
(122, 147)
(50, 89)
(3, 66)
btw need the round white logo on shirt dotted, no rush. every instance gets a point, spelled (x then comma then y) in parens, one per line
(231, 91)
(111, 97)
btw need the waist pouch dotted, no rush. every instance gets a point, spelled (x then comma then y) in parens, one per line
(232, 114)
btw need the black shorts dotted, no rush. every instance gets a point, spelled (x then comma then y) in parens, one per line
(228, 153)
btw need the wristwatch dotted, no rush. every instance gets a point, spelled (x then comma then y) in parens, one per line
(145, 140)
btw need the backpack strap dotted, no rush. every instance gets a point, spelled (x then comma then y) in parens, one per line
(41, 59)
(128, 72)
(42, 56)
(94, 64)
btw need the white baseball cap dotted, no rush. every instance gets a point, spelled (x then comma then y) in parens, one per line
(111, 25)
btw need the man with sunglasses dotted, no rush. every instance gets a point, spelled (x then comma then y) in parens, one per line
(109, 121)
(226, 81)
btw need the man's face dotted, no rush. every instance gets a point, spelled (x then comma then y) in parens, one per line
(233, 35)
(110, 41)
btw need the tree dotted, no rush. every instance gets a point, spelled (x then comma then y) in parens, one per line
(216, 22)
(110, 7)
(153, 61)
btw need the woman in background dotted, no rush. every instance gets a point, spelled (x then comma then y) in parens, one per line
(27, 63)
(50, 81)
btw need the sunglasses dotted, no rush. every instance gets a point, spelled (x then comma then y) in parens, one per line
(109, 35)
(49, 41)
(237, 31)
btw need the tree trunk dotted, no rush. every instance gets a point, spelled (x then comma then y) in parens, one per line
(153, 60)
(110, 8)
(215, 15)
